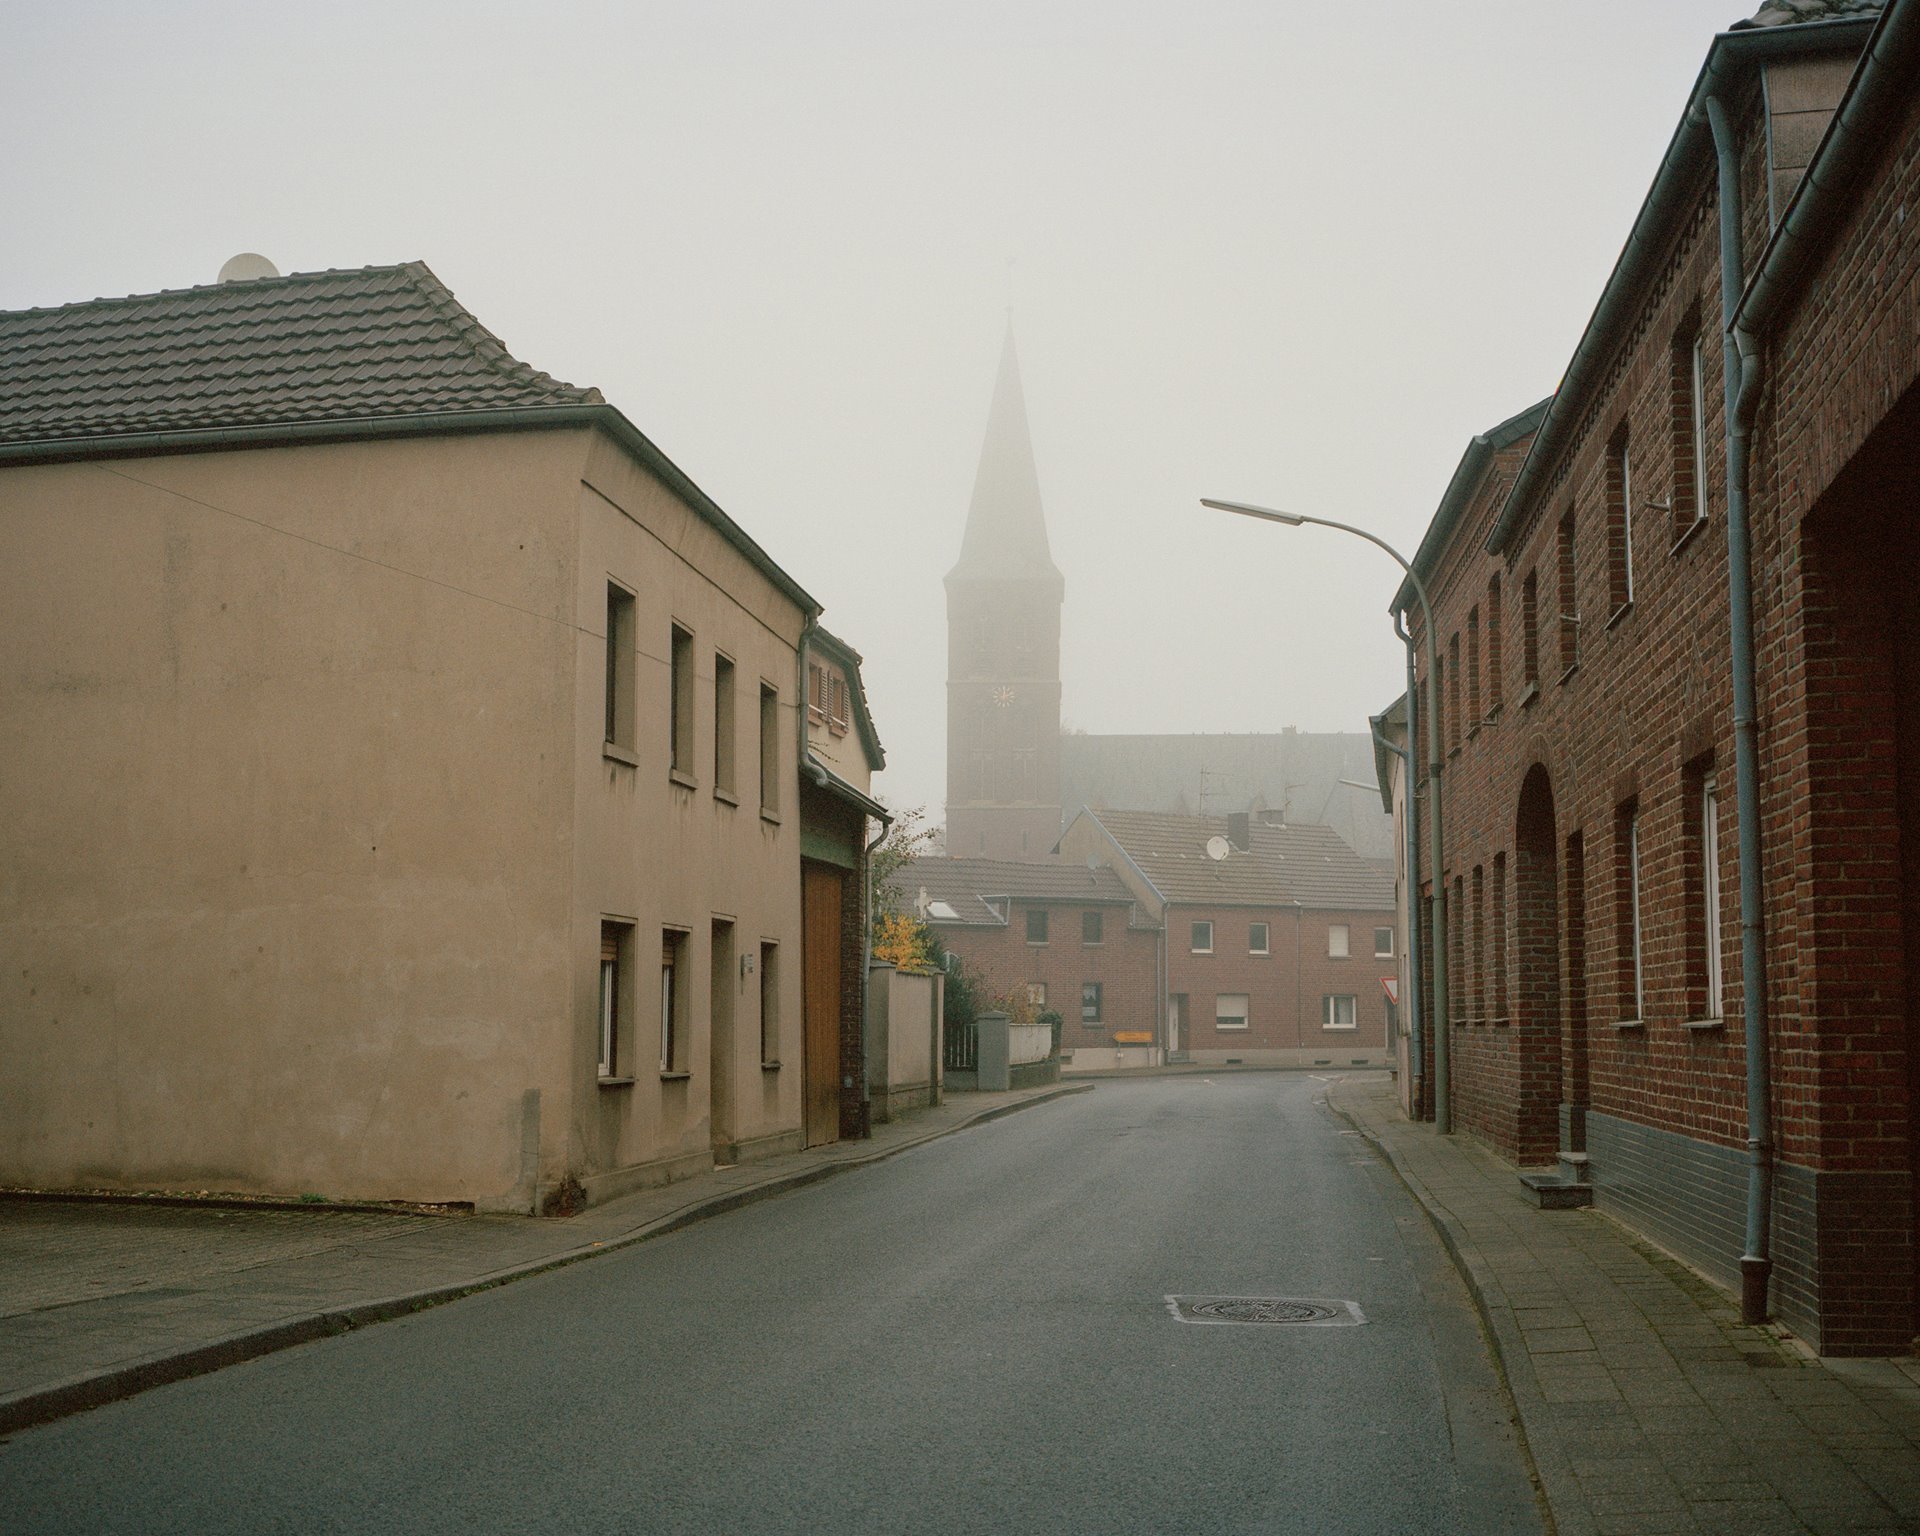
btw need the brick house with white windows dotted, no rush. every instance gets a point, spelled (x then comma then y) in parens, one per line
(1719, 500)
(1279, 940)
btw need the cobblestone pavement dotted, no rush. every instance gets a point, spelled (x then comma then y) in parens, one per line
(1648, 1407)
(100, 1299)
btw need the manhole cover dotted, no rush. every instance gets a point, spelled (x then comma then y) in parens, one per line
(1300, 1311)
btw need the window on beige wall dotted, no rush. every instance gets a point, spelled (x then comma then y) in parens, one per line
(769, 750)
(618, 696)
(723, 733)
(680, 703)
(769, 1004)
(1230, 1010)
(616, 1003)
(673, 1001)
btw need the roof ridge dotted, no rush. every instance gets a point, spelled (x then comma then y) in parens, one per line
(285, 278)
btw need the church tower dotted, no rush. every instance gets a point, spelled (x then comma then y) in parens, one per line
(1003, 650)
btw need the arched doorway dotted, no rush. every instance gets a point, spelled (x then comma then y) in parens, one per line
(1536, 951)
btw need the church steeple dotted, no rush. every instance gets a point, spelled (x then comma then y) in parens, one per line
(1003, 649)
(1006, 535)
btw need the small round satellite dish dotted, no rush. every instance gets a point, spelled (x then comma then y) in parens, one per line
(247, 266)
(1217, 847)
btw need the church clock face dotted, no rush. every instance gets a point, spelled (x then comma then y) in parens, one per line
(1003, 696)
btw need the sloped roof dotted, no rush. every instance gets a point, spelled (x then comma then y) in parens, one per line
(965, 884)
(1283, 865)
(369, 342)
(850, 660)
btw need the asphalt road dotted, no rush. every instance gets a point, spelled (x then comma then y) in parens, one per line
(973, 1336)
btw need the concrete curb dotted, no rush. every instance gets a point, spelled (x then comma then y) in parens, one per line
(1562, 1508)
(79, 1393)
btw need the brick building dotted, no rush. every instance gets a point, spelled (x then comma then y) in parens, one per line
(1736, 435)
(1277, 938)
(1057, 936)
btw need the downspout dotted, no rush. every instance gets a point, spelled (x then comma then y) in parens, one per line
(1410, 756)
(1743, 371)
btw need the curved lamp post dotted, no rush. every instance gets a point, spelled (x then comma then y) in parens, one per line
(1437, 959)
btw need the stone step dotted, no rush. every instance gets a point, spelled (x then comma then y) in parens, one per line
(1555, 1193)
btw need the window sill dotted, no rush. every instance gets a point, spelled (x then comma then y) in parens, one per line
(1473, 731)
(1094, 1023)
(1703, 1026)
(1686, 537)
(615, 1082)
(676, 1077)
(771, 817)
(725, 796)
(1338, 1029)
(1567, 676)
(613, 752)
(1093, 944)
(1493, 716)
(1529, 695)
(1623, 1025)
(1037, 944)
(1619, 613)
(684, 779)
(1207, 952)
(769, 1066)
(1452, 752)
(1501, 1023)
(1229, 1029)
(1260, 953)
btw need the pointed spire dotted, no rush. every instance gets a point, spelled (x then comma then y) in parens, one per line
(1006, 535)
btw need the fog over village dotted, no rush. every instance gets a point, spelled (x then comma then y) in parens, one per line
(986, 767)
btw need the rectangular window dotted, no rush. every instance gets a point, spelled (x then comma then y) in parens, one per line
(673, 1000)
(1093, 927)
(1338, 941)
(1453, 693)
(1089, 1002)
(1339, 1011)
(1258, 939)
(1708, 967)
(1500, 936)
(769, 1004)
(722, 725)
(1631, 988)
(1569, 598)
(1473, 670)
(1473, 987)
(1202, 940)
(620, 667)
(1036, 925)
(616, 969)
(1036, 995)
(1493, 645)
(816, 692)
(1530, 631)
(1619, 492)
(1383, 943)
(838, 710)
(769, 751)
(1686, 392)
(680, 704)
(1230, 1010)
(1697, 399)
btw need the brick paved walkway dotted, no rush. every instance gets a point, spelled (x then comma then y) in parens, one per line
(99, 1300)
(1648, 1408)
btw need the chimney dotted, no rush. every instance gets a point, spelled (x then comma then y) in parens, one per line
(1239, 832)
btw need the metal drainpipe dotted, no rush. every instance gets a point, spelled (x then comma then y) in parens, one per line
(1742, 369)
(1410, 756)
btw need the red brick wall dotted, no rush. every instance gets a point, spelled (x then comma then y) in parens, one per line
(1125, 963)
(1285, 986)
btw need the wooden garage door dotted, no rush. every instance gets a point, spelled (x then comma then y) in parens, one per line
(820, 909)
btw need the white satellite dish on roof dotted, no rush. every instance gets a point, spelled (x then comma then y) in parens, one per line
(245, 267)
(1218, 848)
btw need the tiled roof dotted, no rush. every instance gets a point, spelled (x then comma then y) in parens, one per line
(965, 884)
(1285, 864)
(373, 342)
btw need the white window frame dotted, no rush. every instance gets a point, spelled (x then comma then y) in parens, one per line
(1046, 926)
(1697, 387)
(1098, 1002)
(1710, 913)
(1378, 952)
(1330, 1010)
(1339, 941)
(1626, 513)
(609, 1015)
(1229, 1022)
(1196, 947)
(1265, 946)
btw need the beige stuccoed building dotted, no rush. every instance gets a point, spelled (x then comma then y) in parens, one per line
(402, 764)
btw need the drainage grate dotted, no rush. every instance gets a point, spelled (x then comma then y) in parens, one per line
(1299, 1311)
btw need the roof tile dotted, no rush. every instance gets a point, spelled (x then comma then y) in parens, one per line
(1284, 864)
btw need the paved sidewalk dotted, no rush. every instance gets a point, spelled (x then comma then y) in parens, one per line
(1648, 1408)
(99, 1300)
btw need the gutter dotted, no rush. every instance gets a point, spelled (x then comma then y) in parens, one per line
(1666, 204)
(606, 418)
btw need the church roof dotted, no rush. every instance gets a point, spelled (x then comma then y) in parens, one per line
(1006, 537)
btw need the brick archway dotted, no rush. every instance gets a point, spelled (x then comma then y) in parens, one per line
(1536, 966)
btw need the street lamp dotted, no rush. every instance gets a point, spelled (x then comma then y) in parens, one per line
(1437, 959)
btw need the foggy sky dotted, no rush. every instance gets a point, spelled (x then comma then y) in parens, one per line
(1281, 252)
